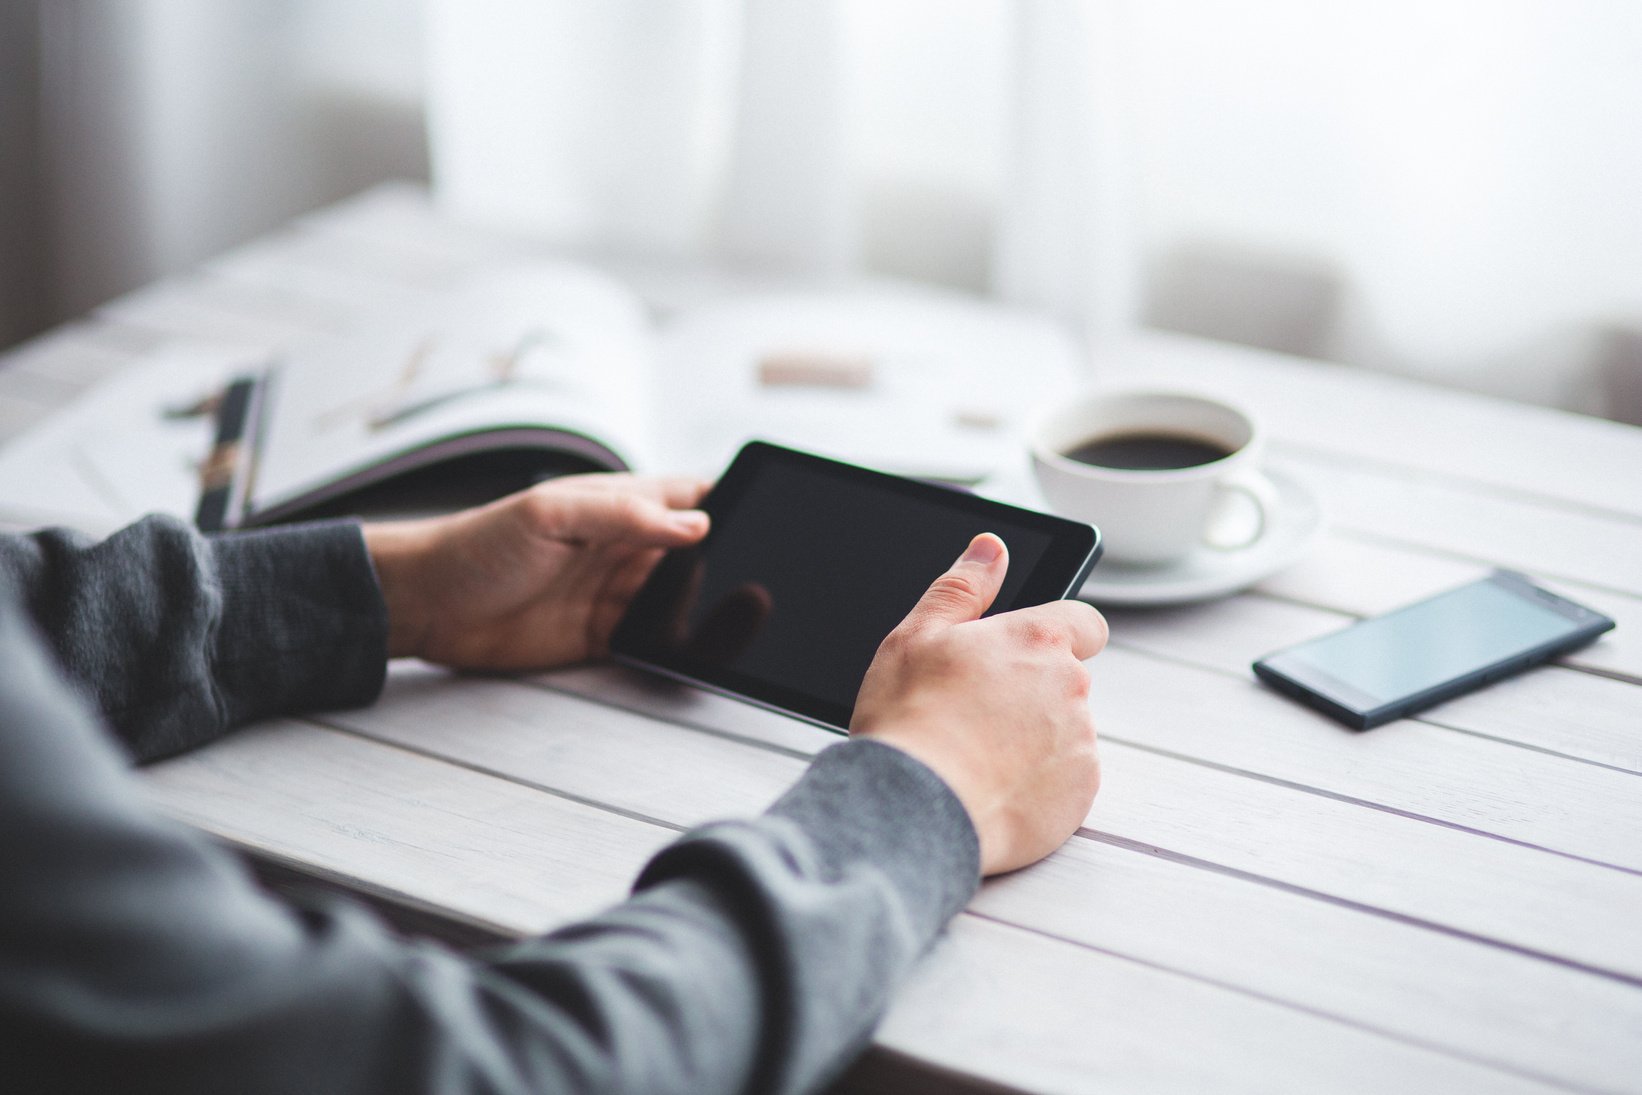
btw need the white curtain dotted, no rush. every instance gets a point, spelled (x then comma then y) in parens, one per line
(1445, 188)
(1461, 177)
(967, 142)
(173, 129)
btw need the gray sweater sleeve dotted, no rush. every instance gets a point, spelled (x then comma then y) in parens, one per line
(175, 638)
(136, 956)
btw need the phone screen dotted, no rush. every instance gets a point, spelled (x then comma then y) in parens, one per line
(1447, 642)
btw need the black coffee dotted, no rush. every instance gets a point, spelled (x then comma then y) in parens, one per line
(1147, 451)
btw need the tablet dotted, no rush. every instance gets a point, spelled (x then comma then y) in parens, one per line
(810, 563)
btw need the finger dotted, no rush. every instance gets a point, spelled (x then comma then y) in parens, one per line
(615, 517)
(681, 491)
(1076, 625)
(677, 491)
(966, 590)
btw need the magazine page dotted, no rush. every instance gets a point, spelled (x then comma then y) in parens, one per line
(918, 382)
(503, 359)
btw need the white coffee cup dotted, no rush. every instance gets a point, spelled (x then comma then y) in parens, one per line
(1150, 516)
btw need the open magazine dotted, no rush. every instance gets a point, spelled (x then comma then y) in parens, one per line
(515, 376)
(533, 370)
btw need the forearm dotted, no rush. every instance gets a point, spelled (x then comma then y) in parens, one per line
(135, 955)
(175, 637)
(758, 955)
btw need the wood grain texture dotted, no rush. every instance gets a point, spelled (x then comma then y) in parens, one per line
(1458, 779)
(649, 694)
(1032, 1012)
(487, 850)
(1443, 877)
(1340, 849)
(1576, 714)
(1435, 514)
(591, 751)
(521, 860)
(1420, 986)
(1484, 1002)
(1536, 798)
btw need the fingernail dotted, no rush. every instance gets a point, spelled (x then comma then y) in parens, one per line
(983, 549)
(689, 520)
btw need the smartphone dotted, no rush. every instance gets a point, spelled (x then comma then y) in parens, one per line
(1433, 650)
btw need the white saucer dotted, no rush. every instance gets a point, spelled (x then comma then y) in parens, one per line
(1209, 572)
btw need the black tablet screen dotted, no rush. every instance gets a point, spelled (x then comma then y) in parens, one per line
(810, 564)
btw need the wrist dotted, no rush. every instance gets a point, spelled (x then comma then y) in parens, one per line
(948, 765)
(864, 803)
(397, 551)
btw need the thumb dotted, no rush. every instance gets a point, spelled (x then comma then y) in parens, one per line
(966, 590)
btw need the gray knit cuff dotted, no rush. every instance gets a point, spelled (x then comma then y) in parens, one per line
(303, 625)
(863, 801)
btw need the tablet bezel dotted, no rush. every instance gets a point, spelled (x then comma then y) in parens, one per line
(1072, 552)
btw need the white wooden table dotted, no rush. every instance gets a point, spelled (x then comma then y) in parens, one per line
(1259, 901)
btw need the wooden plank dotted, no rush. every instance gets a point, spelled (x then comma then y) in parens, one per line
(1226, 634)
(1374, 418)
(1418, 986)
(505, 856)
(1348, 574)
(1455, 880)
(1521, 806)
(492, 851)
(1365, 578)
(649, 694)
(1033, 1013)
(594, 752)
(1573, 713)
(1544, 800)
(1427, 771)
(1266, 941)
(1575, 545)
(1339, 849)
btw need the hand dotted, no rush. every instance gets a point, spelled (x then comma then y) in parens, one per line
(998, 708)
(537, 579)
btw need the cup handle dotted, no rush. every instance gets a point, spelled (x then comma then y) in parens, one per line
(1257, 489)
